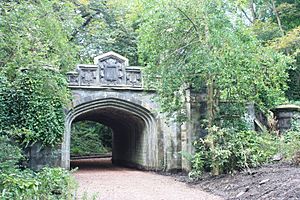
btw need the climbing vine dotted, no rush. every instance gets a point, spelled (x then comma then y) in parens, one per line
(32, 105)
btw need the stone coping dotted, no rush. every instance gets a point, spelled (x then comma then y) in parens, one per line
(286, 107)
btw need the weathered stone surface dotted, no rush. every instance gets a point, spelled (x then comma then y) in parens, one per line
(110, 92)
(40, 156)
(286, 115)
(108, 70)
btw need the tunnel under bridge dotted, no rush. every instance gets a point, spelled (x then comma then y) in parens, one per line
(111, 92)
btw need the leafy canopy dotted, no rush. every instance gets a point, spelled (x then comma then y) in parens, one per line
(276, 23)
(36, 34)
(184, 45)
(34, 49)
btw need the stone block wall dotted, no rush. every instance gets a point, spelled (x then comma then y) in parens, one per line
(286, 115)
(40, 156)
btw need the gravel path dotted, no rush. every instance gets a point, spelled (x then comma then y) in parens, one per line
(97, 177)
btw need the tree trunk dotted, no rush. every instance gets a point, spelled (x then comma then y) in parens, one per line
(253, 11)
(277, 17)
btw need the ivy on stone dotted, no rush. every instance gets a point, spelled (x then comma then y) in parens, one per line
(32, 106)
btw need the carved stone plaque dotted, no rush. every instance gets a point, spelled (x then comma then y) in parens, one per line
(88, 76)
(111, 71)
(73, 78)
(133, 78)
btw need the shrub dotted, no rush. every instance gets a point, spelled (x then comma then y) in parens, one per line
(226, 150)
(50, 184)
(289, 141)
(10, 154)
(289, 144)
(56, 182)
(17, 184)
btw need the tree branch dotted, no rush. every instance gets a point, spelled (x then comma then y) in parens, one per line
(253, 11)
(185, 15)
(277, 18)
(86, 22)
(246, 15)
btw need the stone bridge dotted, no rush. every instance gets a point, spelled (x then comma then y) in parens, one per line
(111, 92)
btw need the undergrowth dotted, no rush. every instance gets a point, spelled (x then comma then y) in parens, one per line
(227, 150)
(25, 184)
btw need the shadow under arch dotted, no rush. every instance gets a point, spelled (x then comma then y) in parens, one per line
(135, 134)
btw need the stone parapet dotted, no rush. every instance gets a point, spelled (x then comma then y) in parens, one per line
(285, 114)
(109, 70)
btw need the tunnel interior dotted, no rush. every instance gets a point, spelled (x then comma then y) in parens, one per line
(128, 134)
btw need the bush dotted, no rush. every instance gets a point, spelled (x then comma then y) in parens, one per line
(50, 183)
(226, 150)
(289, 144)
(10, 154)
(57, 182)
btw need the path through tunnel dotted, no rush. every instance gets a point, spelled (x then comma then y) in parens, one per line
(129, 134)
(90, 140)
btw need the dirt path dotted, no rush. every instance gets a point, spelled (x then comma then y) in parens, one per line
(279, 181)
(98, 177)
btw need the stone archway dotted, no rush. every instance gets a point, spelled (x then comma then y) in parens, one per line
(135, 139)
(111, 92)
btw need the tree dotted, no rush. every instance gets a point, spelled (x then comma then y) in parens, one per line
(36, 34)
(208, 45)
(276, 23)
(106, 26)
(35, 53)
(185, 46)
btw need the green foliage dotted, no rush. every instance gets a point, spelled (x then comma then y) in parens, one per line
(25, 184)
(56, 182)
(90, 138)
(189, 46)
(290, 44)
(289, 13)
(32, 106)
(289, 144)
(265, 31)
(48, 184)
(232, 115)
(229, 150)
(208, 46)
(10, 154)
(34, 49)
(106, 27)
(36, 34)
(276, 23)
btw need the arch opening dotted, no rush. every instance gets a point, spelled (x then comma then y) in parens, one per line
(90, 139)
(134, 143)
